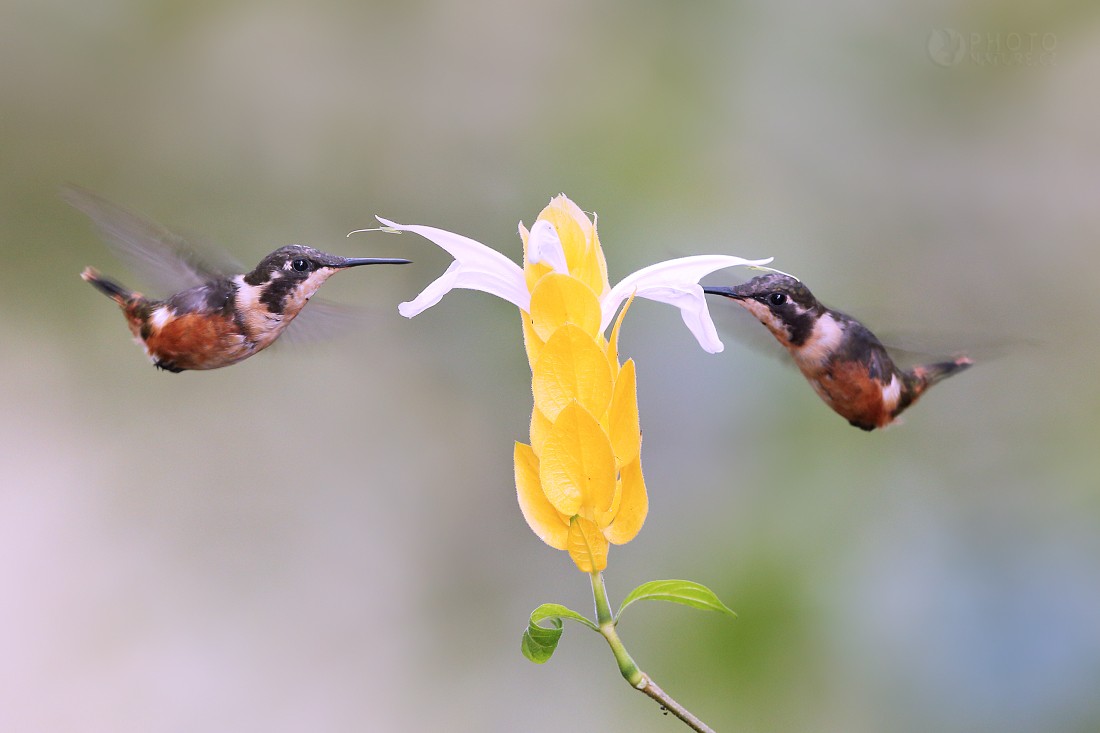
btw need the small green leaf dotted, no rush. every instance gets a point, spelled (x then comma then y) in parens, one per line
(684, 592)
(539, 642)
(552, 610)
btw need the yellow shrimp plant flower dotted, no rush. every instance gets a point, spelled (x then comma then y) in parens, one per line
(579, 481)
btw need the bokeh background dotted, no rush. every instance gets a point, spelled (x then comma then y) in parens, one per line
(326, 537)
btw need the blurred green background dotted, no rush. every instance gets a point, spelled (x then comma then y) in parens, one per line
(326, 537)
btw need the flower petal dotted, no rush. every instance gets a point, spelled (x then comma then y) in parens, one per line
(676, 282)
(476, 267)
(541, 516)
(544, 246)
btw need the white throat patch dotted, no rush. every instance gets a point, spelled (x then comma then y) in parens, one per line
(823, 340)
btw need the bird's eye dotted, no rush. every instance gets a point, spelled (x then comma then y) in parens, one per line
(777, 299)
(300, 264)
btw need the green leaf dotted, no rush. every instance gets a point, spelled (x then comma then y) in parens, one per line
(539, 642)
(684, 592)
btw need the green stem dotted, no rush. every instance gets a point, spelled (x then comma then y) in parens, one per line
(606, 622)
(638, 679)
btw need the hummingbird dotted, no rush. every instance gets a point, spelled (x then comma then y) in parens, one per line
(216, 319)
(843, 361)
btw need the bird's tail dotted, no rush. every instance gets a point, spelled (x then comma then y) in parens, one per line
(928, 374)
(118, 293)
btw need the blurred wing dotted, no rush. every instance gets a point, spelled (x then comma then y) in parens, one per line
(740, 330)
(168, 261)
(323, 320)
(908, 349)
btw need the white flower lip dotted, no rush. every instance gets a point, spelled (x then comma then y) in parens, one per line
(676, 282)
(544, 245)
(478, 267)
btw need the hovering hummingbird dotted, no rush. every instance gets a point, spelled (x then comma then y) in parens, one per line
(841, 359)
(216, 319)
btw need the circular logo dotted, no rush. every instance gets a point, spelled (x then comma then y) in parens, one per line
(946, 46)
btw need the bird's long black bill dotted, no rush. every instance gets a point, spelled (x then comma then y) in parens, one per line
(356, 261)
(727, 292)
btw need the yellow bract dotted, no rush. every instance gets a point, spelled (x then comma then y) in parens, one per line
(626, 432)
(577, 466)
(580, 482)
(633, 507)
(560, 299)
(551, 527)
(571, 368)
(613, 342)
(579, 242)
(540, 428)
(587, 545)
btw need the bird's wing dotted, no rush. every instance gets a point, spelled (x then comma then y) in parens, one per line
(168, 261)
(322, 320)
